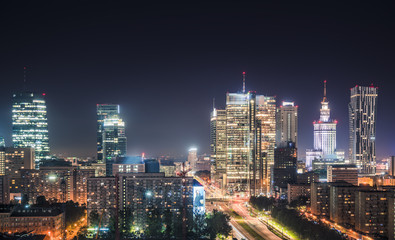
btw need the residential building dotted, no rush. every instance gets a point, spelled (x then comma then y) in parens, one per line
(342, 204)
(287, 124)
(40, 220)
(391, 166)
(4, 190)
(169, 168)
(362, 122)
(344, 172)
(17, 159)
(372, 214)
(30, 124)
(141, 193)
(320, 201)
(102, 198)
(295, 191)
(128, 165)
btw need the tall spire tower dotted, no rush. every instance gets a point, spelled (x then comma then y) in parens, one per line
(244, 82)
(325, 150)
(324, 111)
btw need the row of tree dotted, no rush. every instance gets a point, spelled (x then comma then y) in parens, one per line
(294, 220)
(166, 226)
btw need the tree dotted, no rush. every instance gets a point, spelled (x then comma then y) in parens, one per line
(42, 202)
(94, 218)
(218, 223)
(155, 226)
(73, 212)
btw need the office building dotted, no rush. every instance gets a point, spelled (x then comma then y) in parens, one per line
(40, 220)
(344, 172)
(30, 124)
(103, 111)
(285, 165)
(248, 145)
(4, 190)
(324, 138)
(371, 213)
(218, 147)
(114, 139)
(362, 122)
(287, 124)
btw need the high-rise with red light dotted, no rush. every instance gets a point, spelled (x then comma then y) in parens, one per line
(362, 119)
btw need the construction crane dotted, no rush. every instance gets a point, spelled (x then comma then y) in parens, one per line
(183, 174)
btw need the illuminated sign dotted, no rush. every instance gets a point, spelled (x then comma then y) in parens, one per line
(199, 200)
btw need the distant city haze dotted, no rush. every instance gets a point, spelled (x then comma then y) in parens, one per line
(164, 65)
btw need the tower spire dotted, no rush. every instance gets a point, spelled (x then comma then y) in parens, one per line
(213, 103)
(324, 100)
(244, 82)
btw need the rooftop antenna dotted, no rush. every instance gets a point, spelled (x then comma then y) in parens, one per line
(244, 82)
(213, 103)
(324, 100)
(24, 78)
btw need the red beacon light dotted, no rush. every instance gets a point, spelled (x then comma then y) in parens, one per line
(43, 94)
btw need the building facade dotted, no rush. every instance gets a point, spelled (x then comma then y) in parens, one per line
(17, 160)
(371, 212)
(345, 172)
(362, 123)
(324, 137)
(39, 220)
(30, 124)
(287, 124)
(285, 165)
(103, 111)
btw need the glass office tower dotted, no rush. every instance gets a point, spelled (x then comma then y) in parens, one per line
(30, 123)
(104, 111)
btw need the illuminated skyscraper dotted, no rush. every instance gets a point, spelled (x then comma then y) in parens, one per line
(104, 111)
(243, 143)
(324, 137)
(114, 139)
(218, 146)
(30, 124)
(287, 124)
(362, 120)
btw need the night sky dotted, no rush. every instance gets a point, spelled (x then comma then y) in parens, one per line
(164, 63)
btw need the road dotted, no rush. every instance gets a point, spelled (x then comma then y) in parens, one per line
(238, 205)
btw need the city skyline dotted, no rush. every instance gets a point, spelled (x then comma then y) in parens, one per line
(176, 76)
